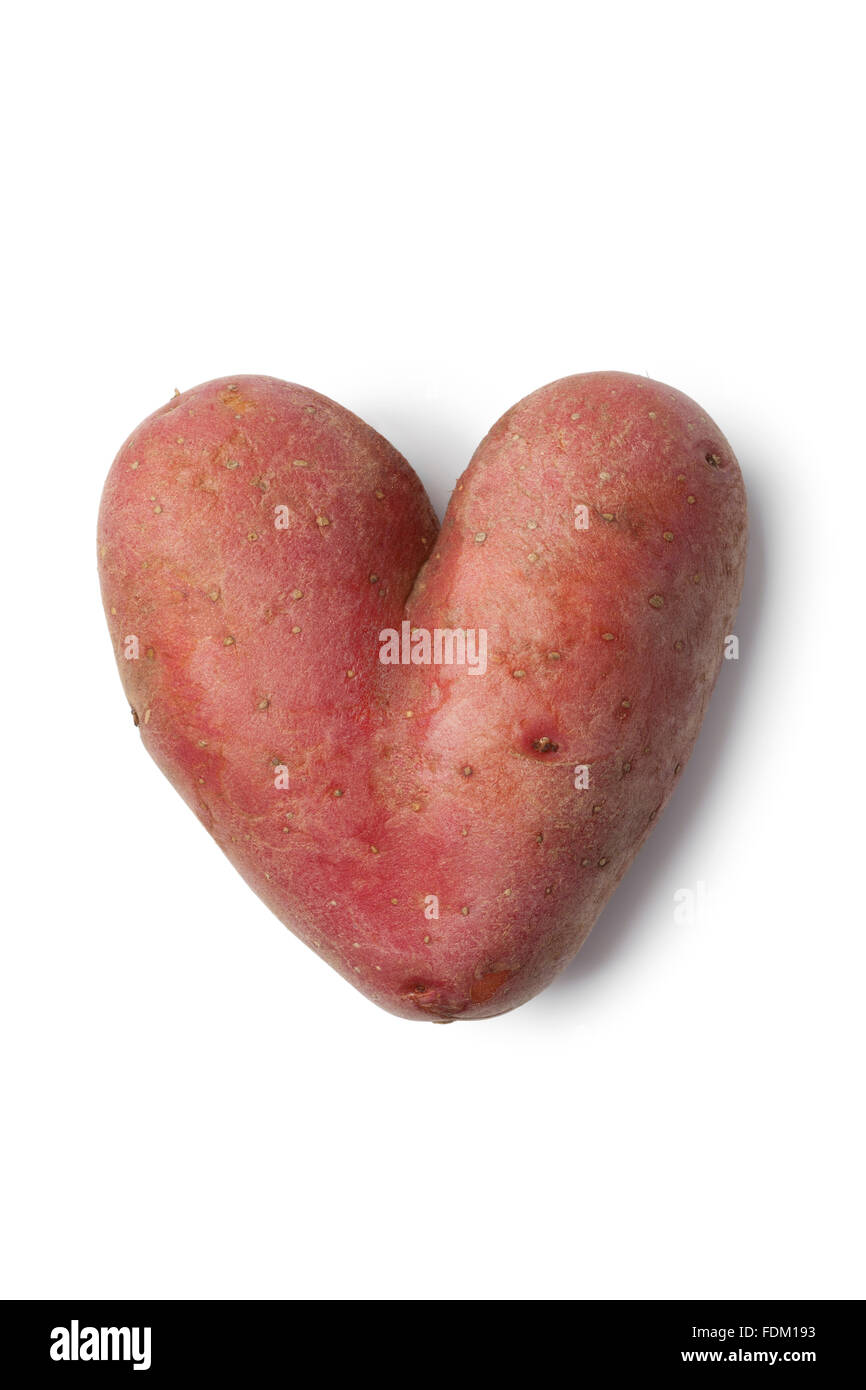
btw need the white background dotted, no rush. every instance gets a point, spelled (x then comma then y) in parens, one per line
(426, 212)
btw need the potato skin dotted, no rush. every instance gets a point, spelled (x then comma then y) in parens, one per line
(259, 651)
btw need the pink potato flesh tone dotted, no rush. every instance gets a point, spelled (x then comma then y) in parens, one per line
(419, 825)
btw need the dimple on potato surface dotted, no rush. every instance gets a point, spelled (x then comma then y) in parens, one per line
(443, 838)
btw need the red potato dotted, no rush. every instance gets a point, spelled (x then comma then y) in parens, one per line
(443, 835)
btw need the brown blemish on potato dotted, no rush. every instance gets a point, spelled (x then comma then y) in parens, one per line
(236, 402)
(297, 593)
(228, 641)
(134, 716)
(553, 656)
(480, 537)
(679, 644)
(545, 745)
(518, 675)
(488, 985)
(147, 716)
(667, 535)
(607, 637)
(338, 791)
(467, 770)
(213, 595)
(656, 601)
(323, 520)
(713, 460)
(602, 861)
(416, 989)
(233, 463)
(263, 704)
(690, 498)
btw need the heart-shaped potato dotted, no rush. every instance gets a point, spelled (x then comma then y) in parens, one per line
(432, 755)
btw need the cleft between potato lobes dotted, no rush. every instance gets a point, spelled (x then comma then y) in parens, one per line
(432, 755)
